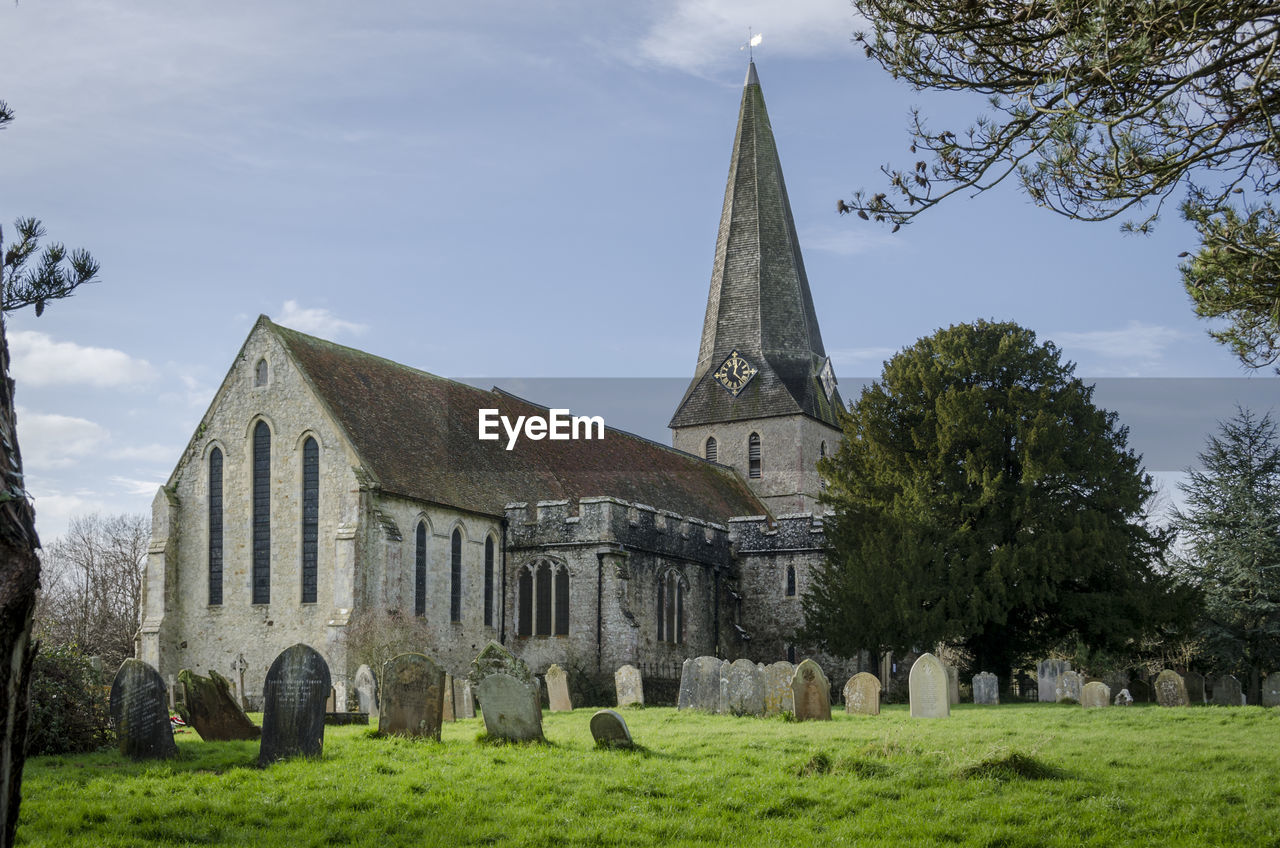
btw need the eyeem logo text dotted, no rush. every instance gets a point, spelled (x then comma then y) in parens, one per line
(561, 426)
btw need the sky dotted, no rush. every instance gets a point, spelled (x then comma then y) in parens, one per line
(517, 193)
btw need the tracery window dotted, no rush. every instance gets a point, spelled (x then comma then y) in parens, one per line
(310, 518)
(753, 455)
(215, 527)
(672, 588)
(542, 605)
(261, 513)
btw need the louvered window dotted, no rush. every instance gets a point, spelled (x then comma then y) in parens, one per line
(310, 518)
(753, 456)
(262, 513)
(712, 449)
(488, 582)
(420, 570)
(215, 527)
(455, 578)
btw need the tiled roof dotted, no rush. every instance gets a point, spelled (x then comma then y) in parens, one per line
(416, 433)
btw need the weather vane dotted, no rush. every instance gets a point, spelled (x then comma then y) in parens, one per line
(753, 41)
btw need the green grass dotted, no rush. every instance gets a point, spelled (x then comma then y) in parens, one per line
(1033, 775)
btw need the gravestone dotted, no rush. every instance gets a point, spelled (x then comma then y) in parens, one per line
(1271, 690)
(366, 690)
(1226, 691)
(139, 711)
(1194, 682)
(812, 693)
(1171, 691)
(467, 705)
(700, 684)
(412, 697)
(745, 689)
(629, 686)
(448, 711)
(1047, 674)
(1068, 687)
(778, 697)
(1140, 691)
(953, 683)
(495, 659)
(862, 694)
(212, 710)
(558, 690)
(609, 729)
(927, 685)
(293, 705)
(1124, 698)
(511, 708)
(986, 688)
(1095, 694)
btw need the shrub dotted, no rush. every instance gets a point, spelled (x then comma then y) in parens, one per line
(69, 704)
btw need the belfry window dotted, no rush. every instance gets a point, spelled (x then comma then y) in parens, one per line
(543, 603)
(420, 570)
(261, 513)
(310, 518)
(753, 456)
(671, 591)
(712, 449)
(455, 577)
(488, 582)
(215, 527)
(791, 581)
(260, 373)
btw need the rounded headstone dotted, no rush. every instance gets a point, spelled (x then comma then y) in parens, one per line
(609, 729)
(140, 712)
(511, 708)
(986, 689)
(1171, 690)
(862, 694)
(1271, 690)
(1095, 694)
(413, 693)
(293, 698)
(778, 697)
(927, 685)
(558, 689)
(812, 692)
(745, 690)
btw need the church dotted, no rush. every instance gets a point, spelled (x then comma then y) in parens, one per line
(325, 483)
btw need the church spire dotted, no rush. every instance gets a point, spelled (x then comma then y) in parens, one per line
(759, 305)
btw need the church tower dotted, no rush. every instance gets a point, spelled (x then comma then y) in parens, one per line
(763, 396)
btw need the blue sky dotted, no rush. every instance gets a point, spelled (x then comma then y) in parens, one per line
(487, 190)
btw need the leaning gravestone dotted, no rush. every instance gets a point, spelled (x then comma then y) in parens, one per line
(812, 693)
(558, 690)
(1171, 690)
(927, 685)
(1047, 674)
(953, 683)
(610, 730)
(366, 690)
(511, 708)
(1271, 690)
(862, 694)
(629, 686)
(1226, 691)
(745, 689)
(293, 705)
(139, 711)
(700, 685)
(1194, 681)
(1095, 694)
(778, 697)
(212, 710)
(986, 688)
(412, 697)
(1068, 688)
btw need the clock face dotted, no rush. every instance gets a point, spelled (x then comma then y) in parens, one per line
(828, 377)
(735, 373)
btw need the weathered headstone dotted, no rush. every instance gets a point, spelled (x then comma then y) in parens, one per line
(467, 706)
(700, 684)
(558, 689)
(953, 683)
(212, 710)
(986, 688)
(511, 708)
(778, 697)
(1047, 674)
(609, 729)
(495, 659)
(1095, 694)
(366, 690)
(1194, 681)
(1271, 690)
(629, 686)
(1124, 698)
(293, 705)
(1171, 691)
(812, 693)
(1068, 688)
(1226, 691)
(862, 694)
(412, 696)
(745, 690)
(927, 685)
(139, 711)
(448, 712)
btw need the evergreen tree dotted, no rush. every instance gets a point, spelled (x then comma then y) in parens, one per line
(1231, 531)
(981, 499)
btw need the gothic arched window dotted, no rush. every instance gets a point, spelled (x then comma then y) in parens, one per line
(455, 577)
(672, 588)
(310, 518)
(215, 527)
(712, 449)
(420, 570)
(261, 513)
(753, 455)
(488, 581)
(543, 602)
(791, 581)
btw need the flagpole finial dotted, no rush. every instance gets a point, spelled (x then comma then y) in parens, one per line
(752, 42)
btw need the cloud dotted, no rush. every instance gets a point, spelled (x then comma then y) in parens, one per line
(322, 322)
(696, 35)
(49, 440)
(152, 453)
(39, 360)
(849, 240)
(864, 359)
(137, 487)
(1133, 351)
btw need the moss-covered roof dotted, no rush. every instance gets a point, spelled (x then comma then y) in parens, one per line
(417, 434)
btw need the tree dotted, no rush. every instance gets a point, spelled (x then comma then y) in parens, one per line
(1106, 109)
(982, 500)
(1231, 530)
(53, 276)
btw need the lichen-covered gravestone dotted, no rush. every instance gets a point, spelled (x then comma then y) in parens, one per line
(1271, 690)
(511, 708)
(953, 683)
(745, 690)
(212, 710)
(778, 697)
(1171, 691)
(700, 684)
(448, 711)
(1194, 681)
(1047, 674)
(986, 689)
(293, 705)
(1069, 685)
(558, 689)
(812, 693)
(495, 659)
(1123, 698)
(862, 694)
(366, 690)
(140, 712)
(412, 697)
(927, 685)
(629, 686)
(1095, 694)
(466, 707)
(610, 730)
(1226, 691)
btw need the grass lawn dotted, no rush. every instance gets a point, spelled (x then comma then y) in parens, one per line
(1024, 774)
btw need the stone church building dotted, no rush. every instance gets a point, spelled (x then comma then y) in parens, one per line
(325, 483)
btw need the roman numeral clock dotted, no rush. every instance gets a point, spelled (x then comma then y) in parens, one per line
(734, 373)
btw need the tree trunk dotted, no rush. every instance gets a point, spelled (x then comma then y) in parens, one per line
(19, 580)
